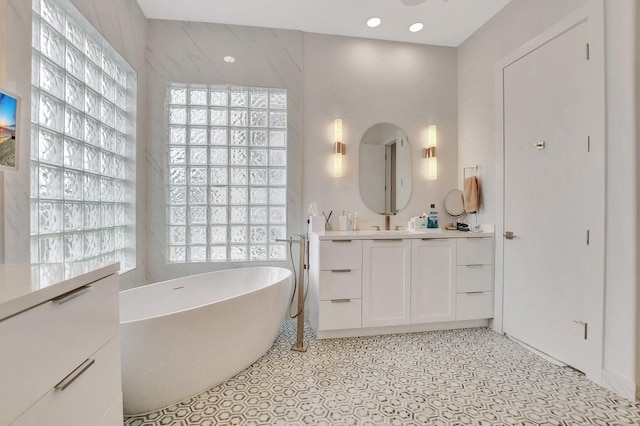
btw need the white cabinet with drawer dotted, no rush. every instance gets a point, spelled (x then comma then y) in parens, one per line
(474, 298)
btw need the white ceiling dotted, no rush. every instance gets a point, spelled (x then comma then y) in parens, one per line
(446, 22)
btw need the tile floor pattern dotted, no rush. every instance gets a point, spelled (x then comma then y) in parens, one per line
(460, 377)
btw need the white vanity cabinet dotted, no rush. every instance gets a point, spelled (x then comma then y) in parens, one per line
(474, 299)
(386, 282)
(60, 361)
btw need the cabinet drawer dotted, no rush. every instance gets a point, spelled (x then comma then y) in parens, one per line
(474, 305)
(340, 284)
(475, 251)
(114, 414)
(86, 399)
(43, 344)
(341, 254)
(474, 278)
(338, 315)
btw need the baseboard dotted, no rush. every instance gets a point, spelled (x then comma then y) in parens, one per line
(623, 387)
(413, 328)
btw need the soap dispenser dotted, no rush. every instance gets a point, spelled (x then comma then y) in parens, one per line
(432, 219)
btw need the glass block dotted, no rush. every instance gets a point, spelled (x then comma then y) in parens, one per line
(52, 44)
(91, 188)
(106, 164)
(119, 238)
(50, 217)
(258, 138)
(106, 240)
(198, 254)
(258, 119)
(50, 249)
(177, 195)
(73, 123)
(121, 97)
(219, 137)
(120, 147)
(120, 120)
(278, 119)
(73, 185)
(93, 51)
(277, 196)
(258, 177)
(177, 175)
(50, 148)
(91, 216)
(35, 105)
(178, 135)
(238, 176)
(34, 141)
(238, 214)
(197, 156)
(74, 62)
(259, 99)
(198, 96)
(106, 189)
(218, 176)
(197, 195)
(177, 254)
(75, 34)
(35, 31)
(74, 93)
(258, 234)
(51, 113)
(218, 195)
(178, 96)
(118, 167)
(238, 156)
(259, 215)
(177, 155)
(92, 103)
(92, 76)
(119, 218)
(218, 215)
(238, 234)
(218, 234)
(177, 115)
(218, 98)
(277, 215)
(121, 76)
(239, 98)
(108, 65)
(92, 131)
(50, 182)
(197, 215)
(278, 100)
(277, 232)
(277, 157)
(198, 136)
(106, 215)
(107, 113)
(218, 116)
(238, 253)
(277, 252)
(177, 235)
(52, 78)
(258, 196)
(239, 118)
(239, 137)
(35, 170)
(198, 116)
(197, 175)
(91, 159)
(197, 235)
(258, 157)
(35, 69)
(258, 252)
(118, 191)
(218, 157)
(108, 88)
(72, 217)
(218, 253)
(239, 196)
(277, 177)
(177, 215)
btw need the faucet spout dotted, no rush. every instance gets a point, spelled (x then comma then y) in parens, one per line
(387, 221)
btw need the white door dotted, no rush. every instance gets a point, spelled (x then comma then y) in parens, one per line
(553, 202)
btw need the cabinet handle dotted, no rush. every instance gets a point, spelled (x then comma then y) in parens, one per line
(478, 265)
(64, 383)
(341, 270)
(340, 241)
(388, 239)
(71, 295)
(432, 239)
(475, 292)
(340, 300)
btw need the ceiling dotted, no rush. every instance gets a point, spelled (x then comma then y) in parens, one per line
(446, 22)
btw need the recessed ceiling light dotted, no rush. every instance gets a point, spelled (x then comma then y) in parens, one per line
(229, 59)
(414, 28)
(412, 2)
(374, 22)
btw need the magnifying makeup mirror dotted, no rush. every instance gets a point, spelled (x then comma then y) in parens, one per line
(454, 204)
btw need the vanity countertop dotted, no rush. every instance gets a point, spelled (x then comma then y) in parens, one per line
(404, 234)
(23, 286)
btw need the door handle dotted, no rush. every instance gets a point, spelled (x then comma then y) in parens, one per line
(509, 235)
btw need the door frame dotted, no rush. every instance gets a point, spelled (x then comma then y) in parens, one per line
(594, 13)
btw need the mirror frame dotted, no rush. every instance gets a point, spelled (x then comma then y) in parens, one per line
(447, 209)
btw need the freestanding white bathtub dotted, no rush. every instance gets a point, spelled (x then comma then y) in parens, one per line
(183, 336)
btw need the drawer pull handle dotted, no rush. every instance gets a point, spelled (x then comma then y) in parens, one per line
(340, 300)
(341, 270)
(64, 383)
(434, 239)
(477, 265)
(340, 241)
(71, 295)
(388, 239)
(475, 292)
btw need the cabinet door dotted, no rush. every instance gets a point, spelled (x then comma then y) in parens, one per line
(433, 277)
(385, 283)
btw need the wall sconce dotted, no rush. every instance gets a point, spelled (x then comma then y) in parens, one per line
(430, 152)
(339, 148)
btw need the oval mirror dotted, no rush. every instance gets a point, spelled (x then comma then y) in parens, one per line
(454, 203)
(385, 168)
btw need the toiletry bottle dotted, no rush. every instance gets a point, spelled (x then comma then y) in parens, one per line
(349, 222)
(355, 221)
(432, 220)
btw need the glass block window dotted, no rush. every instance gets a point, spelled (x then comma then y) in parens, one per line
(226, 173)
(82, 142)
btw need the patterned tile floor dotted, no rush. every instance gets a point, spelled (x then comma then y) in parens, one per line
(461, 377)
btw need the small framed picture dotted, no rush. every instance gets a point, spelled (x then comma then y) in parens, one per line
(9, 133)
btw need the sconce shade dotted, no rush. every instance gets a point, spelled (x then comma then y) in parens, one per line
(432, 136)
(337, 130)
(339, 148)
(430, 153)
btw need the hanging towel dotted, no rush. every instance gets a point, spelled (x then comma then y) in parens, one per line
(471, 194)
